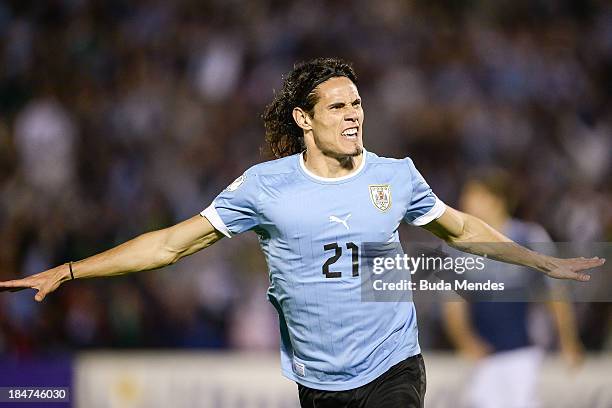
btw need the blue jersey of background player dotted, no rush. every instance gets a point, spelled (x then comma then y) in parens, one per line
(317, 117)
(311, 229)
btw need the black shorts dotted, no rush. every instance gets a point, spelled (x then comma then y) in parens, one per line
(402, 386)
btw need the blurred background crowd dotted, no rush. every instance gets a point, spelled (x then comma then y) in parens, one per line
(120, 117)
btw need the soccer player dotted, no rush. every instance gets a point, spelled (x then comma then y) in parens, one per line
(495, 334)
(312, 208)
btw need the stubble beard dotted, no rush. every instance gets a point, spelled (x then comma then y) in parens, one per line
(345, 159)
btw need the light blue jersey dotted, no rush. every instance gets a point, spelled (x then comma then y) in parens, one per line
(310, 229)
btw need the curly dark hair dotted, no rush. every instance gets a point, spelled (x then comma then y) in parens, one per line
(283, 136)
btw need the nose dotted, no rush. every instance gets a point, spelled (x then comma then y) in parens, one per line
(351, 115)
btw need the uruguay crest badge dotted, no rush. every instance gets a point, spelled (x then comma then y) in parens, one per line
(380, 194)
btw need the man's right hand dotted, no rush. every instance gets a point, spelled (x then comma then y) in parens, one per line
(44, 282)
(148, 251)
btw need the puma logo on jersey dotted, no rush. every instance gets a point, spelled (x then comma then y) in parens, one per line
(333, 218)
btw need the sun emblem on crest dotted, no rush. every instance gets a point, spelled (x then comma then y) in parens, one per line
(380, 194)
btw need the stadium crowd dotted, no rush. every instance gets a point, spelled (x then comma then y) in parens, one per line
(121, 117)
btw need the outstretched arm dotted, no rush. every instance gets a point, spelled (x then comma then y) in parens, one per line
(148, 251)
(470, 234)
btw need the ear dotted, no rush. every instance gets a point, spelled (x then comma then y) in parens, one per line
(302, 118)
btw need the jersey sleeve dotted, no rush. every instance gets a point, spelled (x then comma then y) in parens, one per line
(235, 209)
(424, 206)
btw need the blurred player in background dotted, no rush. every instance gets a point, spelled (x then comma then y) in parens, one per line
(311, 209)
(496, 334)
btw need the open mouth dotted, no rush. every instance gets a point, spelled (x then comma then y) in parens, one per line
(350, 133)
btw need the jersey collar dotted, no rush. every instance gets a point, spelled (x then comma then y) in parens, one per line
(333, 179)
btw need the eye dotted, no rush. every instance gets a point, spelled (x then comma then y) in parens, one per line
(357, 102)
